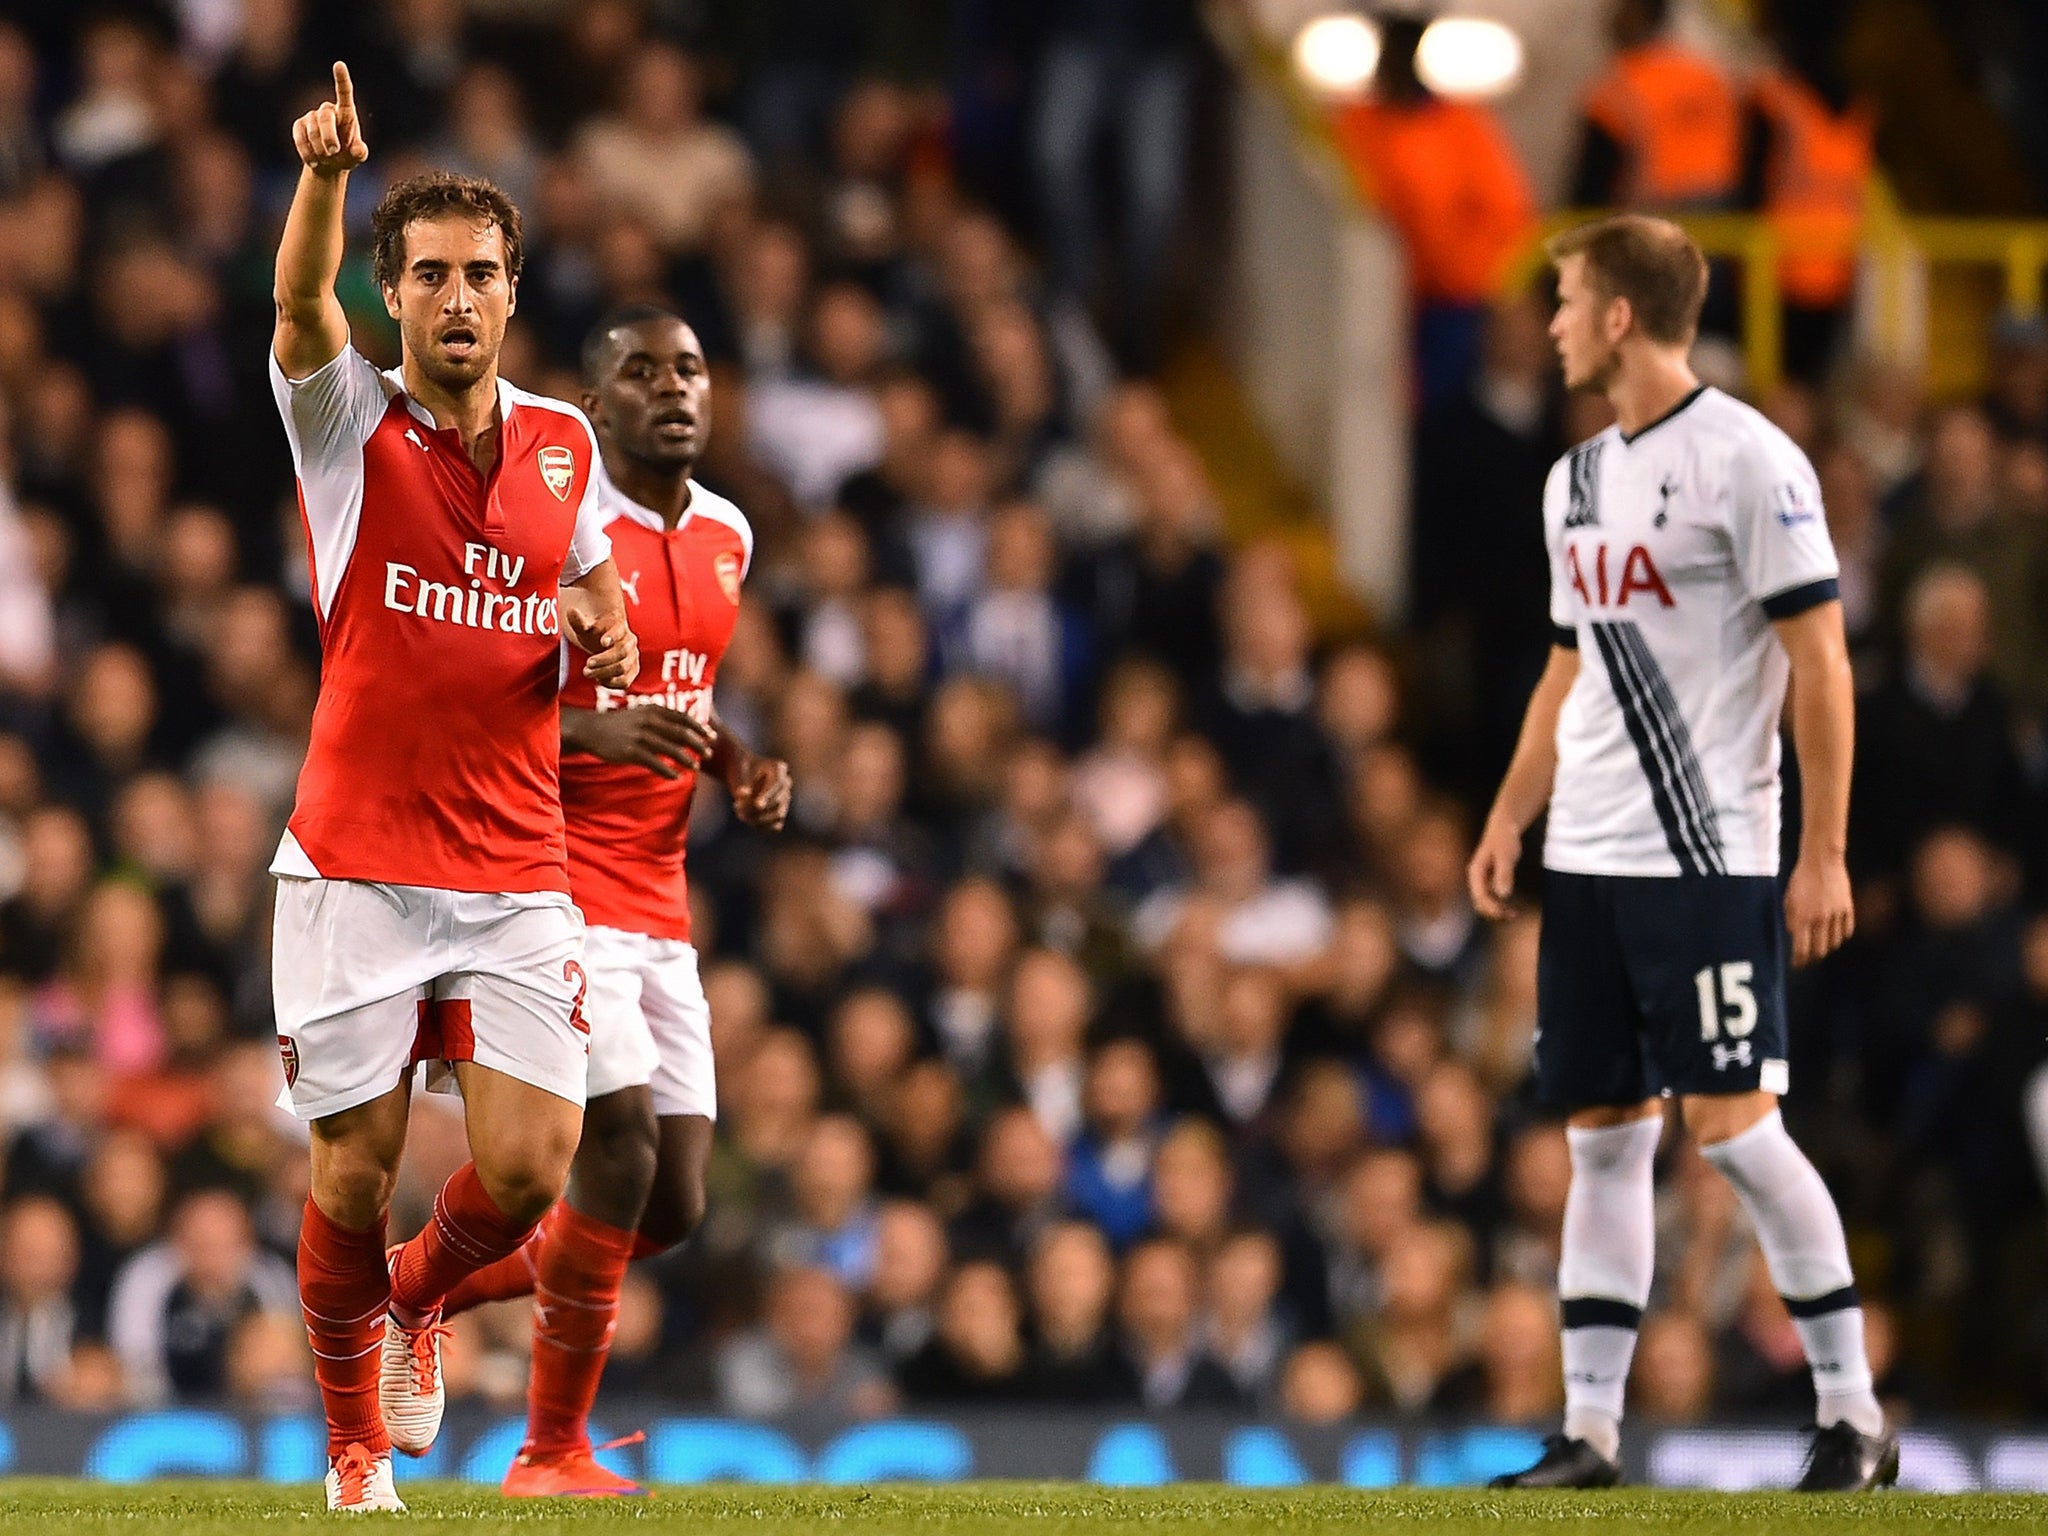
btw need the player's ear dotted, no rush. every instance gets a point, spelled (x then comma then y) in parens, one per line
(512, 298)
(1621, 318)
(590, 404)
(390, 299)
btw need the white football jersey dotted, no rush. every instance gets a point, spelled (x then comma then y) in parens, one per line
(1671, 552)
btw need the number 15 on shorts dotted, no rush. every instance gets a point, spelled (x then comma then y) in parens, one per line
(1727, 1003)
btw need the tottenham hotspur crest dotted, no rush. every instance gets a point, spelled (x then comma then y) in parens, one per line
(557, 469)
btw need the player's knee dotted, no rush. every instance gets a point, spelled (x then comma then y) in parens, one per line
(675, 1210)
(615, 1165)
(525, 1178)
(353, 1183)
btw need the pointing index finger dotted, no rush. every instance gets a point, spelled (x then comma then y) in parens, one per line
(344, 88)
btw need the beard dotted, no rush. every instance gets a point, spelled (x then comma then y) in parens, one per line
(454, 374)
(1595, 378)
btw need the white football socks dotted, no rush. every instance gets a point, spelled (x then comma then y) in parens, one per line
(1800, 1232)
(1604, 1272)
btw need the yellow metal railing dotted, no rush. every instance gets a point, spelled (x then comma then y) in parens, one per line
(1895, 245)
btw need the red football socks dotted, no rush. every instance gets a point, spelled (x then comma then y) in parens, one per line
(343, 1291)
(467, 1232)
(576, 1307)
(503, 1280)
(513, 1276)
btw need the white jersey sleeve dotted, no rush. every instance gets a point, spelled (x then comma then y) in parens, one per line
(589, 546)
(1564, 619)
(328, 417)
(1777, 526)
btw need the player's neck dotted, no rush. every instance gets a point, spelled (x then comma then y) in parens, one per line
(471, 412)
(663, 491)
(1648, 387)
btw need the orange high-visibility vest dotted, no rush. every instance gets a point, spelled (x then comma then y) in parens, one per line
(1814, 188)
(1678, 120)
(1446, 176)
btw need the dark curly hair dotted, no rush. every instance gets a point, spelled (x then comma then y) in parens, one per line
(428, 196)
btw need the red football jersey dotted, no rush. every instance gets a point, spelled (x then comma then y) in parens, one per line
(628, 825)
(436, 737)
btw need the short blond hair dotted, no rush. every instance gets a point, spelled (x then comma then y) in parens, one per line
(1652, 263)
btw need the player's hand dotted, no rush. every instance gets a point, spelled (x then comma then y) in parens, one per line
(330, 137)
(1490, 877)
(612, 654)
(761, 789)
(1820, 909)
(652, 736)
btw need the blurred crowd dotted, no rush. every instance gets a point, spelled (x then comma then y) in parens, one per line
(1111, 1027)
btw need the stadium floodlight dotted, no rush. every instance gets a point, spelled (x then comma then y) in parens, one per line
(1469, 58)
(1336, 55)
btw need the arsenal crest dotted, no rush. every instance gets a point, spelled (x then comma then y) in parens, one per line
(727, 569)
(290, 1053)
(558, 469)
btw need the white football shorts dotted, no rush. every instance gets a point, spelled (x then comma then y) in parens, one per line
(649, 1022)
(370, 979)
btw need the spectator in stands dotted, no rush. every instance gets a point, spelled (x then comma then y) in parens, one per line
(176, 1306)
(1808, 155)
(872, 1040)
(657, 158)
(1019, 1193)
(1044, 1065)
(39, 1320)
(1662, 127)
(49, 1156)
(911, 1257)
(1673, 1378)
(1935, 743)
(1480, 454)
(1320, 1385)
(1447, 177)
(817, 429)
(1259, 920)
(1017, 631)
(832, 1227)
(1074, 1359)
(1416, 1342)
(1125, 72)
(1109, 1166)
(1949, 511)
(1242, 1325)
(1379, 1205)
(1156, 1309)
(976, 1356)
(802, 1355)
(1193, 1186)
(974, 941)
(1153, 591)
(1517, 1373)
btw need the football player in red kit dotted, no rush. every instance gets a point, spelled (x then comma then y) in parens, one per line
(423, 909)
(630, 758)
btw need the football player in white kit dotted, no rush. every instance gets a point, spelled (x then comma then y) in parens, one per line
(1691, 577)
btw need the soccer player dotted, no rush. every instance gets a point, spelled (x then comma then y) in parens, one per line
(1689, 556)
(629, 766)
(423, 909)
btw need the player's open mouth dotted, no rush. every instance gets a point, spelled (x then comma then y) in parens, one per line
(459, 340)
(675, 424)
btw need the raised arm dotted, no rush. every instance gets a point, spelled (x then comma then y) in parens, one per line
(1820, 911)
(1525, 790)
(311, 328)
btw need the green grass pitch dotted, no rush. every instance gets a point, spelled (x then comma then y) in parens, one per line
(46, 1507)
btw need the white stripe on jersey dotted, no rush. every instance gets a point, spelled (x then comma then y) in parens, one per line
(1670, 554)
